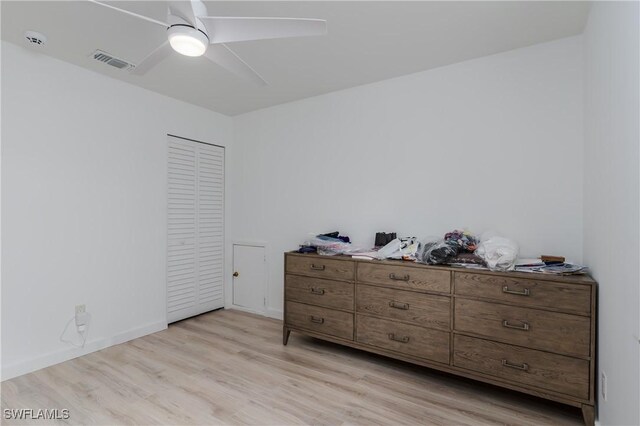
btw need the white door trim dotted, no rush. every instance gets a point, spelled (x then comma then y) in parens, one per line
(207, 299)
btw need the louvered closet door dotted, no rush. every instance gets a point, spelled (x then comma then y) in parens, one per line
(195, 228)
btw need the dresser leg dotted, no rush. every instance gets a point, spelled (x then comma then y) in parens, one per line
(285, 335)
(588, 414)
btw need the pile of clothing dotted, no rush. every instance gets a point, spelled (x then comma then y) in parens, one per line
(462, 248)
(457, 248)
(329, 244)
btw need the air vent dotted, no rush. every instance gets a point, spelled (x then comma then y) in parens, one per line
(109, 59)
(35, 38)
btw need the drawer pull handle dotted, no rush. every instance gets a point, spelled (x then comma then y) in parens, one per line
(398, 305)
(403, 339)
(524, 326)
(317, 267)
(524, 292)
(316, 320)
(318, 291)
(521, 367)
(402, 278)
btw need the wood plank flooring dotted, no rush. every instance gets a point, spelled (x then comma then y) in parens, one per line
(229, 367)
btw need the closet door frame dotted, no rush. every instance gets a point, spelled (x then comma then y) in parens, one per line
(195, 310)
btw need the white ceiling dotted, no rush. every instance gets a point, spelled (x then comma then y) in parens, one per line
(367, 42)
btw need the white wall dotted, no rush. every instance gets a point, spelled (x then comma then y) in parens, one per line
(84, 204)
(491, 143)
(611, 199)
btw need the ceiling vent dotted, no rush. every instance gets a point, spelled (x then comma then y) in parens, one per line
(35, 38)
(109, 59)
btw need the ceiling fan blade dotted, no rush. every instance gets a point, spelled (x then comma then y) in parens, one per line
(153, 59)
(135, 15)
(184, 10)
(229, 29)
(227, 59)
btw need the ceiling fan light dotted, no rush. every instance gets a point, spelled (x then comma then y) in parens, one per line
(187, 40)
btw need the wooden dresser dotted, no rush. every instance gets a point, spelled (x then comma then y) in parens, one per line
(531, 333)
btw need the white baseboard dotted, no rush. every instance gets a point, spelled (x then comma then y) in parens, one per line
(27, 366)
(269, 313)
(273, 313)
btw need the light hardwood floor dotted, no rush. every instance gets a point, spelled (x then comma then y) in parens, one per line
(229, 367)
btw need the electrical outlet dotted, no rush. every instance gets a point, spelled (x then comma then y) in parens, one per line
(603, 386)
(82, 317)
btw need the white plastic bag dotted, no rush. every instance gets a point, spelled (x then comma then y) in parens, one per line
(404, 248)
(390, 249)
(500, 253)
(328, 246)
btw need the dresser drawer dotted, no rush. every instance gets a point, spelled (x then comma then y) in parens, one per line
(549, 331)
(321, 267)
(320, 320)
(524, 367)
(565, 297)
(403, 277)
(427, 310)
(316, 291)
(403, 338)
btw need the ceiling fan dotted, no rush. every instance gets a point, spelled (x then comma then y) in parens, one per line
(191, 32)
